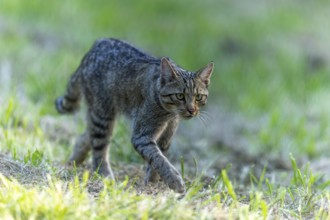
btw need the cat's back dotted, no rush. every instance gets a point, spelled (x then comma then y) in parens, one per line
(115, 67)
(115, 54)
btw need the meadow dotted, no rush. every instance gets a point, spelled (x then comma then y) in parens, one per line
(262, 152)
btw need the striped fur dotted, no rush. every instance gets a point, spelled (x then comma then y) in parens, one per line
(117, 78)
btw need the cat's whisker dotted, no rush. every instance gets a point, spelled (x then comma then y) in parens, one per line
(207, 117)
(206, 114)
(202, 120)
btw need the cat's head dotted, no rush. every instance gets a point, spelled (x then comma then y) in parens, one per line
(181, 91)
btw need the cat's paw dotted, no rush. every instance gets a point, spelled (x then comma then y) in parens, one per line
(151, 176)
(78, 157)
(175, 182)
(105, 171)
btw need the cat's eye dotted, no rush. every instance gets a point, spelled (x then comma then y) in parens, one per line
(180, 96)
(199, 97)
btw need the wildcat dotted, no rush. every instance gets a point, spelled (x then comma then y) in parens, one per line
(115, 77)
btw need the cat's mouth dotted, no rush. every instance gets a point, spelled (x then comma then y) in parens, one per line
(187, 115)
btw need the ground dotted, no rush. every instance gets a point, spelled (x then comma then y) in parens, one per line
(260, 150)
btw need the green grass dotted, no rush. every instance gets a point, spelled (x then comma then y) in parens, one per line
(271, 67)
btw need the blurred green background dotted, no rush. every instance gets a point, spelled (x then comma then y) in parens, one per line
(271, 59)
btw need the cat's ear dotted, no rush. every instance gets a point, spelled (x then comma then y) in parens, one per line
(205, 73)
(167, 72)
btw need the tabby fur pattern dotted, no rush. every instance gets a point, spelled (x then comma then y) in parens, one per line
(116, 78)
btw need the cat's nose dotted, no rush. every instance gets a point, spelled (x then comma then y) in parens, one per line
(191, 111)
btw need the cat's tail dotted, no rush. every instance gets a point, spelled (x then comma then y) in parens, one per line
(69, 103)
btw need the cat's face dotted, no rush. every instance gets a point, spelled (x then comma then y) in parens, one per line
(183, 92)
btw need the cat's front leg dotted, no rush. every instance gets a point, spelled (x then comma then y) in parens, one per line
(163, 143)
(150, 152)
(151, 175)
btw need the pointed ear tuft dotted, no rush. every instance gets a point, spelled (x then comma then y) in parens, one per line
(167, 71)
(205, 73)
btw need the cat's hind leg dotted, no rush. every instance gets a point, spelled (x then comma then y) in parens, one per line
(81, 149)
(100, 129)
